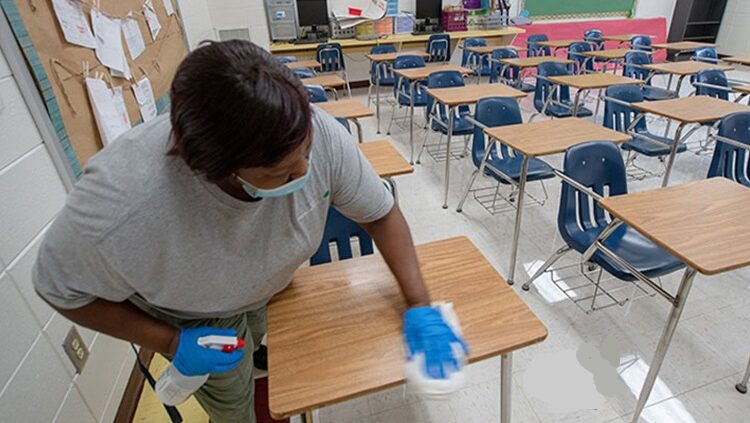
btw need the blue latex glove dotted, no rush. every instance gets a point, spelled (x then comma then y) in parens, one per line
(192, 359)
(425, 331)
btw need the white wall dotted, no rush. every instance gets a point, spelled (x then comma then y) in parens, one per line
(37, 381)
(734, 34)
(237, 14)
(197, 21)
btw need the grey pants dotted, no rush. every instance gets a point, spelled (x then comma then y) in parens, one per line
(226, 397)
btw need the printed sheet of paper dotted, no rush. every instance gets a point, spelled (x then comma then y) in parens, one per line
(74, 24)
(109, 49)
(121, 107)
(125, 72)
(133, 37)
(152, 20)
(144, 95)
(169, 7)
(111, 118)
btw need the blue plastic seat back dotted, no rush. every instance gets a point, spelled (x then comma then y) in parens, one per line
(706, 54)
(468, 57)
(511, 72)
(543, 87)
(493, 111)
(712, 77)
(730, 161)
(439, 48)
(445, 79)
(331, 57)
(340, 230)
(594, 36)
(641, 42)
(382, 69)
(317, 93)
(286, 59)
(574, 53)
(619, 116)
(303, 73)
(599, 167)
(405, 62)
(535, 49)
(634, 62)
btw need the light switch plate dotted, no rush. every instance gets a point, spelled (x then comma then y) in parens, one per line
(76, 349)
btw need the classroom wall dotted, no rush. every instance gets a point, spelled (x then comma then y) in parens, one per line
(734, 34)
(241, 14)
(197, 21)
(37, 381)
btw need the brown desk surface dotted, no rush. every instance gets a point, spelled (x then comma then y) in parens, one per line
(557, 43)
(532, 62)
(347, 109)
(703, 223)
(744, 89)
(552, 136)
(740, 60)
(422, 73)
(693, 109)
(385, 159)
(593, 80)
(490, 49)
(622, 37)
(335, 332)
(326, 81)
(389, 57)
(687, 67)
(471, 93)
(303, 64)
(684, 45)
(618, 53)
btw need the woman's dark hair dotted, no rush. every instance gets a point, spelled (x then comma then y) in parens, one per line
(234, 106)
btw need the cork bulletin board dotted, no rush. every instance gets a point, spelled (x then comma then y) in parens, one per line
(60, 68)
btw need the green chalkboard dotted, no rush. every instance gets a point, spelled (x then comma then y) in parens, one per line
(558, 9)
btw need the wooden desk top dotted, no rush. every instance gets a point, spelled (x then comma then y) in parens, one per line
(303, 64)
(740, 60)
(594, 80)
(385, 159)
(325, 81)
(335, 332)
(422, 73)
(389, 57)
(683, 46)
(613, 54)
(744, 89)
(347, 108)
(687, 67)
(552, 136)
(532, 62)
(703, 223)
(469, 94)
(693, 109)
(287, 47)
(622, 37)
(490, 49)
(557, 43)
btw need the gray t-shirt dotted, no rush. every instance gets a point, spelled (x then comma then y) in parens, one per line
(141, 222)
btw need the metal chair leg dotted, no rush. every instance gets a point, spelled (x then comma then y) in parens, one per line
(369, 95)
(547, 264)
(742, 386)
(393, 115)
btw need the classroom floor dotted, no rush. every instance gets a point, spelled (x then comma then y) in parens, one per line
(592, 366)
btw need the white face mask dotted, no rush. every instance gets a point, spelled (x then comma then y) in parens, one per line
(280, 191)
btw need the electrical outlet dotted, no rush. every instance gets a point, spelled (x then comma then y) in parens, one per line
(76, 350)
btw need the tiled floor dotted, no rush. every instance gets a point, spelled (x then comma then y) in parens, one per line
(592, 366)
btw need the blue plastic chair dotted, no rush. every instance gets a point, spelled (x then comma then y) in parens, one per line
(303, 73)
(381, 70)
(340, 230)
(286, 59)
(707, 55)
(641, 43)
(439, 118)
(317, 93)
(535, 49)
(561, 105)
(401, 89)
(598, 166)
(512, 73)
(715, 77)
(439, 48)
(584, 64)
(331, 59)
(730, 161)
(594, 36)
(633, 68)
(501, 165)
(472, 60)
(620, 116)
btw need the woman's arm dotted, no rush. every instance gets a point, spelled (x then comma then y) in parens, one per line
(393, 238)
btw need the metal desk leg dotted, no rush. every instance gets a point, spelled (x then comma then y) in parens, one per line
(506, 383)
(677, 90)
(307, 417)
(575, 104)
(519, 215)
(448, 156)
(377, 96)
(360, 137)
(742, 386)
(672, 153)
(412, 88)
(666, 339)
